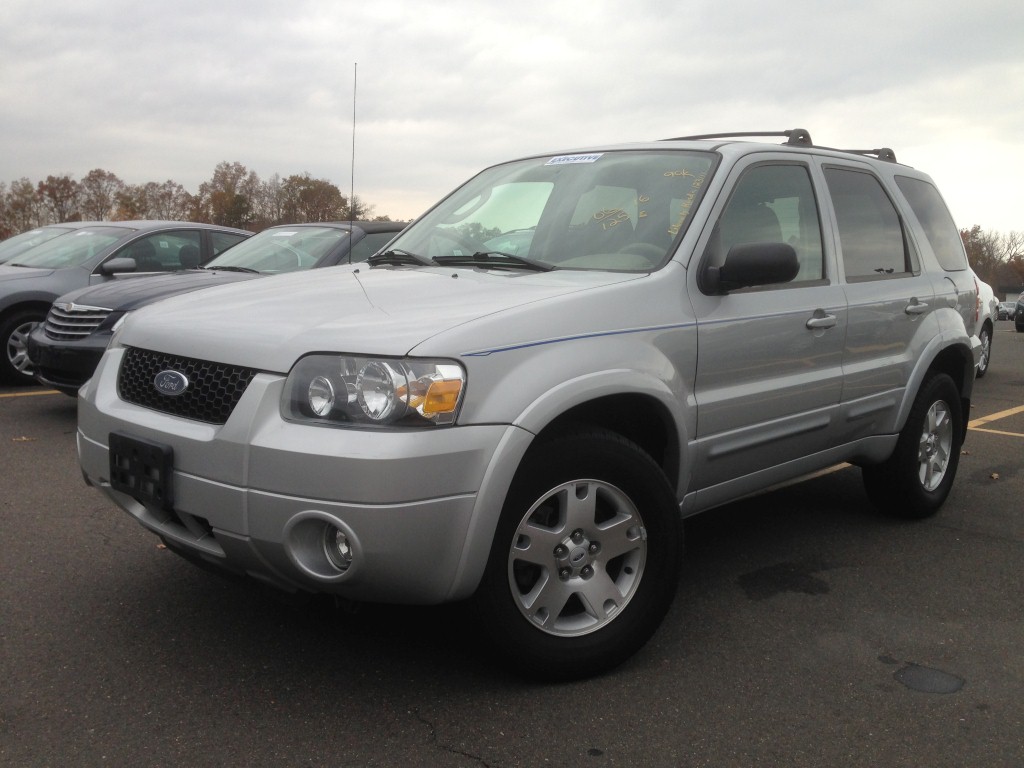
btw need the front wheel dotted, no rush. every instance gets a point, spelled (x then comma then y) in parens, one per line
(15, 366)
(585, 560)
(915, 481)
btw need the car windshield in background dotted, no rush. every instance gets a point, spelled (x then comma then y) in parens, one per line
(602, 211)
(72, 250)
(281, 249)
(12, 246)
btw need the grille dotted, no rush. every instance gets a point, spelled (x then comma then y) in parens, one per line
(213, 391)
(67, 322)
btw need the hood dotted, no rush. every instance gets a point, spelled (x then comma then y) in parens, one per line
(268, 324)
(131, 292)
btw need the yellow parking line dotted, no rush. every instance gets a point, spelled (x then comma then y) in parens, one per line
(31, 394)
(995, 417)
(997, 432)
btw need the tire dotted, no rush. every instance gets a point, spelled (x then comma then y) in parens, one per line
(15, 366)
(585, 560)
(915, 481)
(986, 351)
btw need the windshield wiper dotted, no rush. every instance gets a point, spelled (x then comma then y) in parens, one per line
(232, 269)
(397, 258)
(495, 260)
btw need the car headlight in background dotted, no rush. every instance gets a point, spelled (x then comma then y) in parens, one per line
(363, 391)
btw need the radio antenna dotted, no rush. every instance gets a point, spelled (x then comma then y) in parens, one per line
(352, 180)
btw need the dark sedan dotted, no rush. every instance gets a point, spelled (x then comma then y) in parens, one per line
(66, 348)
(92, 255)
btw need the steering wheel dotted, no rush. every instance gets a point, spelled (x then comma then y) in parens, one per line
(460, 239)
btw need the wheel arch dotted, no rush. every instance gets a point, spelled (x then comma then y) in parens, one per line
(640, 408)
(41, 305)
(957, 361)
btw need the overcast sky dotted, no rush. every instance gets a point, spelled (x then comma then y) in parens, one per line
(158, 91)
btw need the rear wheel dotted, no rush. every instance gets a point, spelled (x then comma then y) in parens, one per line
(916, 479)
(585, 560)
(986, 351)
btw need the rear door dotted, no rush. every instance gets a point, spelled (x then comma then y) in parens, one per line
(890, 297)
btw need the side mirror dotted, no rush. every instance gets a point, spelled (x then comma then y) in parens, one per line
(750, 264)
(120, 264)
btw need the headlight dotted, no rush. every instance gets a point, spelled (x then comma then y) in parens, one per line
(363, 391)
(115, 330)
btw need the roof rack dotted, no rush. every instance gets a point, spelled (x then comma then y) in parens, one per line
(794, 137)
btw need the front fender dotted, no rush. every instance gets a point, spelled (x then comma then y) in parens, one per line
(551, 405)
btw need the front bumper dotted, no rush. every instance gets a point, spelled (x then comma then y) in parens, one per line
(65, 365)
(419, 506)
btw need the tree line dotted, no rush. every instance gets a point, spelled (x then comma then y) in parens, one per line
(234, 196)
(996, 258)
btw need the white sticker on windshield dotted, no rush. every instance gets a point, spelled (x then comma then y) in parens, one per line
(283, 234)
(569, 159)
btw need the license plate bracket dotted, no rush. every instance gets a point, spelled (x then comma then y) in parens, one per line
(143, 469)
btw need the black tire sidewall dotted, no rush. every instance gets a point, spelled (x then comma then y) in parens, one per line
(983, 366)
(595, 455)
(8, 373)
(894, 486)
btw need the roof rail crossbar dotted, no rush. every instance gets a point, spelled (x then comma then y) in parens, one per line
(882, 153)
(796, 136)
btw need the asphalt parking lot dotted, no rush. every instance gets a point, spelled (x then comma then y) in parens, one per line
(808, 631)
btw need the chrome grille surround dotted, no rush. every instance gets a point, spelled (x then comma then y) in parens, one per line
(67, 321)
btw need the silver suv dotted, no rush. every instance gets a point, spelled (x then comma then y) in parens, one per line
(520, 399)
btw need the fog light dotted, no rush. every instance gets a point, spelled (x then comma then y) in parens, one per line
(337, 548)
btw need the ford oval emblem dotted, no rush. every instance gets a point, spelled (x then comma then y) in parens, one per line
(170, 383)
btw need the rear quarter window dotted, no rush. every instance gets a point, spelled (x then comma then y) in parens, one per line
(941, 231)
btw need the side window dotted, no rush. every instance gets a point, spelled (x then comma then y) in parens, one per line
(941, 231)
(164, 251)
(772, 204)
(370, 244)
(870, 231)
(221, 241)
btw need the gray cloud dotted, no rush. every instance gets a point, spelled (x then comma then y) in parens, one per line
(155, 92)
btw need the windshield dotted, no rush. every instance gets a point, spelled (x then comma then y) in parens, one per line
(604, 211)
(12, 246)
(71, 251)
(282, 249)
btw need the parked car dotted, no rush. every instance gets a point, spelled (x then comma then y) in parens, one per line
(1006, 310)
(985, 324)
(31, 281)
(65, 349)
(13, 246)
(692, 321)
(1018, 314)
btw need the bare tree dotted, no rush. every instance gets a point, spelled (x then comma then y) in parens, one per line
(60, 197)
(98, 194)
(168, 201)
(230, 194)
(24, 206)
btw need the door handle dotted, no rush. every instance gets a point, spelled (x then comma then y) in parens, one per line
(916, 307)
(820, 320)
